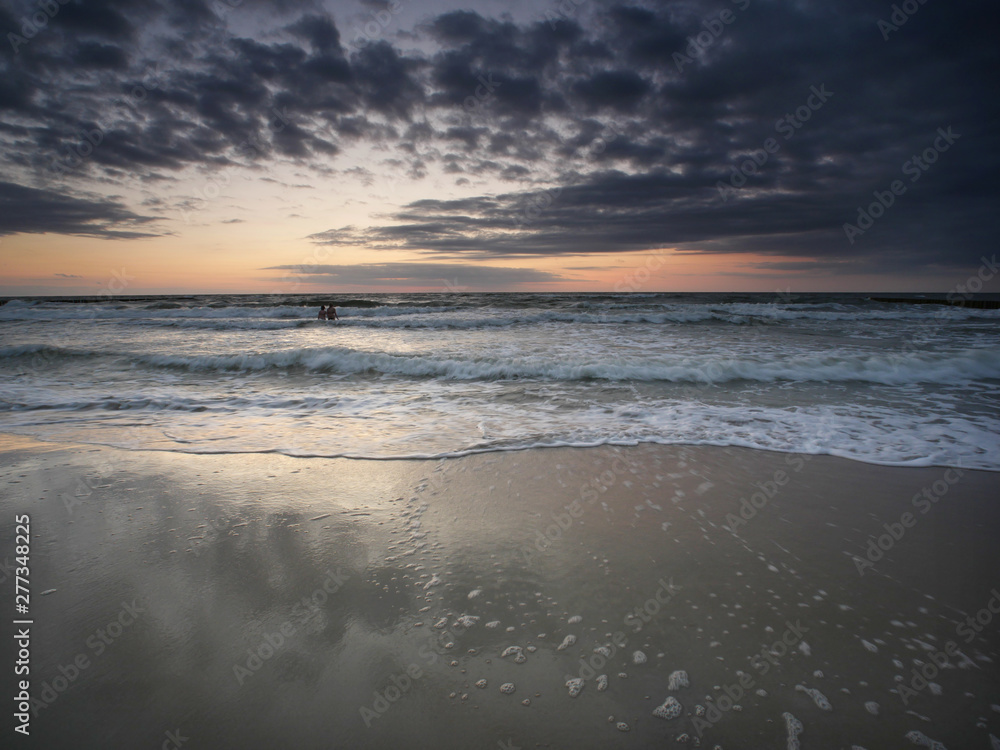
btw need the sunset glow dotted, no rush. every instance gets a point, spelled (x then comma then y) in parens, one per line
(509, 147)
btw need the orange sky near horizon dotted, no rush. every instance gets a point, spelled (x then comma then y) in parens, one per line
(218, 234)
(233, 259)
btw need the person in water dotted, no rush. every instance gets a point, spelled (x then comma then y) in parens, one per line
(331, 313)
(322, 312)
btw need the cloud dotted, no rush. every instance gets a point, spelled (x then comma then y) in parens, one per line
(620, 90)
(616, 212)
(67, 276)
(35, 211)
(446, 275)
(617, 126)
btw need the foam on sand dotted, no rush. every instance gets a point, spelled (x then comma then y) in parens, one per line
(818, 698)
(568, 641)
(678, 680)
(794, 728)
(669, 709)
(922, 740)
(575, 685)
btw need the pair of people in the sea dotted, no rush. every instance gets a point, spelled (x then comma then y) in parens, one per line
(328, 313)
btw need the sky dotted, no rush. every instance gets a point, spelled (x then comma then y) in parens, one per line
(303, 146)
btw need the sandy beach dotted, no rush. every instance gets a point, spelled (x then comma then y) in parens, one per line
(470, 375)
(262, 601)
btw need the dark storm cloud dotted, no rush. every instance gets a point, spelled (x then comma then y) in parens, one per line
(666, 151)
(385, 80)
(97, 55)
(29, 210)
(620, 90)
(101, 18)
(616, 212)
(639, 111)
(173, 87)
(318, 30)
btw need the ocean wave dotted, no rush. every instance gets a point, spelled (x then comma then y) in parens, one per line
(889, 368)
(42, 351)
(394, 317)
(163, 310)
(885, 369)
(918, 313)
(503, 319)
(236, 324)
(44, 401)
(482, 312)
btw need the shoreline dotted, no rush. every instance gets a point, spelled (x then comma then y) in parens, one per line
(277, 599)
(487, 451)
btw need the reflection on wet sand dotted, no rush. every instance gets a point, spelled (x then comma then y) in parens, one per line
(527, 597)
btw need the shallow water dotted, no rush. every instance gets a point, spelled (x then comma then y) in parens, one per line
(435, 375)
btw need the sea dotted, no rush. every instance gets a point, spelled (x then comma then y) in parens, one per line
(446, 374)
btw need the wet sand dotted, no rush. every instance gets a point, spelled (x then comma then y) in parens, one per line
(261, 601)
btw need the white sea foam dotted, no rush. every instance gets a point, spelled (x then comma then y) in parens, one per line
(922, 740)
(433, 377)
(885, 369)
(669, 709)
(794, 728)
(678, 680)
(818, 698)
